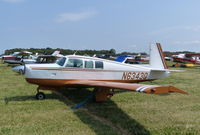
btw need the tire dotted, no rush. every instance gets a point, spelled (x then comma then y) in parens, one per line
(40, 96)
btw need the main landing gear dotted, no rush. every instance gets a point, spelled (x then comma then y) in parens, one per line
(102, 94)
(40, 96)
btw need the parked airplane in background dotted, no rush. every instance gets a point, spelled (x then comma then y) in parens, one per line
(43, 58)
(103, 75)
(16, 57)
(25, 57)
(11, 56)
(57, 54)
(38, 59)
(193, 58)
(137, 59)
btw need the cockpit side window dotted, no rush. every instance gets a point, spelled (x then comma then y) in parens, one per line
(61, 61)
(89, 64)
(77, 63)
(98, 64)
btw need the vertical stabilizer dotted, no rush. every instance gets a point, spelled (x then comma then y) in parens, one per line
(157, 59)
(55, 53)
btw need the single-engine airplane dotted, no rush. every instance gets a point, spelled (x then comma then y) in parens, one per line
(193, 58)
(100, 74)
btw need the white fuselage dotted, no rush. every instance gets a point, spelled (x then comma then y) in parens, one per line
(97, 69)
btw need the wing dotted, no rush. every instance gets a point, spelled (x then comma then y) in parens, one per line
(151, 89)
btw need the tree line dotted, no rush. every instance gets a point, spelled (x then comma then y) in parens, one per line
(48, 51)
(111, 52)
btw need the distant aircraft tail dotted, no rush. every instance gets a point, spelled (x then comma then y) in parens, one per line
(55, 53)
(157, 59)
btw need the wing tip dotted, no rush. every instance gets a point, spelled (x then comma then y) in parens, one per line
(174, 89)
(164, 90)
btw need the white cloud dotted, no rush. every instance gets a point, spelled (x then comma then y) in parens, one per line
(193, 28)
(75, 16)
(132, 46)
(13, 1)
(192, 42)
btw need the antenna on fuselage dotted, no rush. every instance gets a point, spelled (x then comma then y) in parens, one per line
(75, 52)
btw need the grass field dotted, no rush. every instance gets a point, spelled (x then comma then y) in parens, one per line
(126, 112)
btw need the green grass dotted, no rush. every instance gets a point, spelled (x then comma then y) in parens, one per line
(125, 113)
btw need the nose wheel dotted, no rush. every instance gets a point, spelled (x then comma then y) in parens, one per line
(40, 96)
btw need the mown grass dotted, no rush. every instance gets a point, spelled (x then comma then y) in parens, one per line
(125, 113)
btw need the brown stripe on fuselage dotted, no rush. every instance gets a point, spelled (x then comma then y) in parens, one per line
(162, 55)
(63, 82)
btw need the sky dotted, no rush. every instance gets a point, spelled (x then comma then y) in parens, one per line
(125, 25)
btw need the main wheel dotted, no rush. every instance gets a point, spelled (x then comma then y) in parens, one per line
(40, 96)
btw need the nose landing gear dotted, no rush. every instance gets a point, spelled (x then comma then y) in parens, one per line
(41, 95)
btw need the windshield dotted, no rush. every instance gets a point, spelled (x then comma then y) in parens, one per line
(61, 61)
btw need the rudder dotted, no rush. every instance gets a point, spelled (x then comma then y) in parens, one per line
(157, 59)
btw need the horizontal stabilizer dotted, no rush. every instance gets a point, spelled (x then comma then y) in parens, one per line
(171, 70)
(160, 70)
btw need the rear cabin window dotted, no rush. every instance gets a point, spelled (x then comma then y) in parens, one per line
(89, 64)
(98, 64)
(76, 63)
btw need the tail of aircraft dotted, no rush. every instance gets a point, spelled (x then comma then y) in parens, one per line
(55, 53)
(157, 59)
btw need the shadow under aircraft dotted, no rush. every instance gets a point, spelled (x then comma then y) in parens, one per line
(103, 118)
(105, 114)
